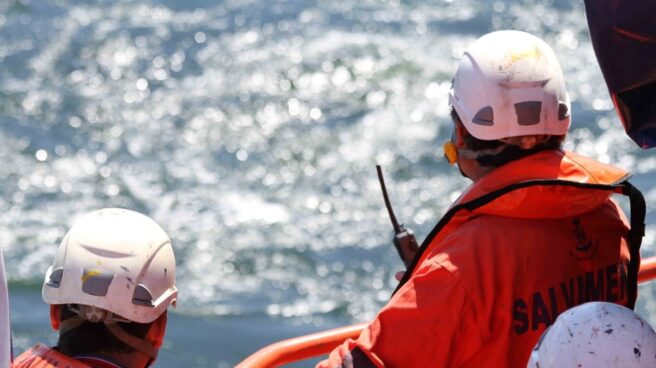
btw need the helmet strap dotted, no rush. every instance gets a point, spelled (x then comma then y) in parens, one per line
(511, 153)
(475, 155)
(85, 313)
(70, 323)
(136, 343)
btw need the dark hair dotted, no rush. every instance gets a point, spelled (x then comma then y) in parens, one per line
(89, 337)
(508, 154)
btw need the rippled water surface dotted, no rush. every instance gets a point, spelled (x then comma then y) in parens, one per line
(249, 130)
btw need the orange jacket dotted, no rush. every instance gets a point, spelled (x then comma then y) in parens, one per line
(527, 241)
(41, 356)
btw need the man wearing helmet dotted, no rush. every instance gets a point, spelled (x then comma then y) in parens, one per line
(535, 234)
(109, 287)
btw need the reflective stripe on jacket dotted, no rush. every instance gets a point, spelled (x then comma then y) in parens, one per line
(527, 241)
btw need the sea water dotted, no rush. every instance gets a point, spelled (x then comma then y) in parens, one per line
(250, 130)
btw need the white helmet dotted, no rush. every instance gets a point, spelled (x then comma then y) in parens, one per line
(596, 334)
(509, 84)
(117, 260)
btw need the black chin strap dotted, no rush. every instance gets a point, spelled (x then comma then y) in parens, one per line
(638, 213)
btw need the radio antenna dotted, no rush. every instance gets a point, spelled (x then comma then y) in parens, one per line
(395, 224)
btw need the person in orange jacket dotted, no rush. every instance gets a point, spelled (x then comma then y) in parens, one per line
(534, 235)
(109, 288)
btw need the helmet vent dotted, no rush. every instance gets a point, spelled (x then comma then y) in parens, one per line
(142, 296)
(484, 116)
(528, 113)
(54, 280)
(563, 111)
(95, 282)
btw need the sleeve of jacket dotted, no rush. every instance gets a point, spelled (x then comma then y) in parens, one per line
(430, 321)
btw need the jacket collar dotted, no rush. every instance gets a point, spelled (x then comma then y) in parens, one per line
(532, 200)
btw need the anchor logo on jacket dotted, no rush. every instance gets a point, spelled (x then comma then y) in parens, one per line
(585, 247)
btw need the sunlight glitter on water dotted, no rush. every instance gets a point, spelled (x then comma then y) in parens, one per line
(250, 131)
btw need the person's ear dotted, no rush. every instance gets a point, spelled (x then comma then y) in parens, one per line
(55, 316)
(157, 330)
(461, 133)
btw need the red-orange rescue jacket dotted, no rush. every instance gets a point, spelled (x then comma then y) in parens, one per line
(41, 356)
(527, 241)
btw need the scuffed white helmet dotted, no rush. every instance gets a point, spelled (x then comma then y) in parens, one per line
(510, 84)
(117, 260)
(596, 334)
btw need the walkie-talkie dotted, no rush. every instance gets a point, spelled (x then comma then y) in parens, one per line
(404, 239)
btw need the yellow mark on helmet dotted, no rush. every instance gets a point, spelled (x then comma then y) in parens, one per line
(533, 53)
(450, 152)
(89, 274)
